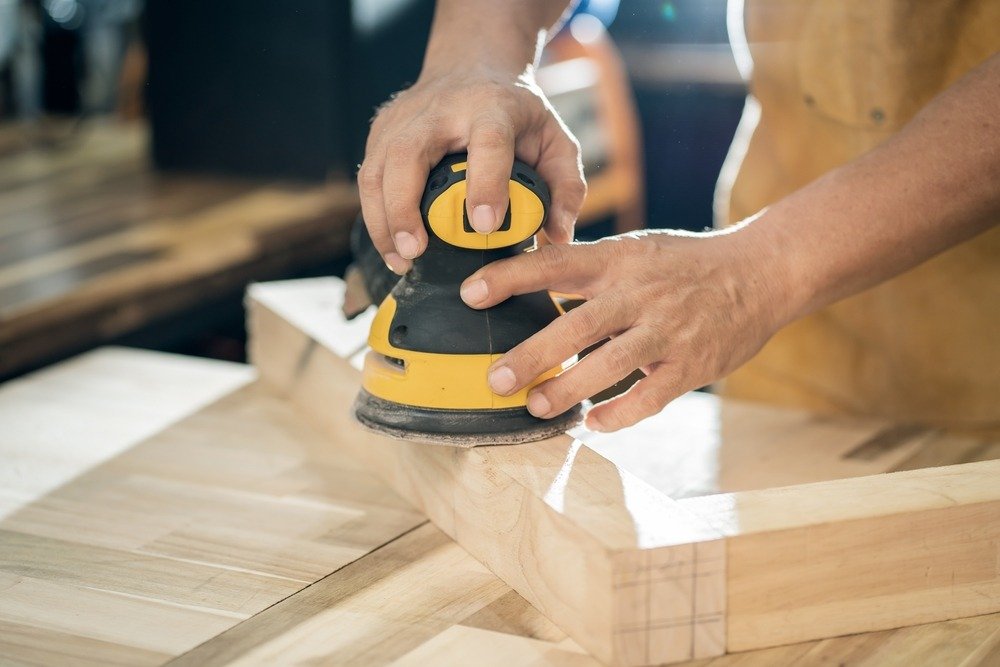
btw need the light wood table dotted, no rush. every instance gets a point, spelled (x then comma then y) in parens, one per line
(96, 246)
(155, 507)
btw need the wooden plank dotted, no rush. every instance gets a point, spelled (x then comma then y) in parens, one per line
(370, 612)
(33, 645)
(108, 616)
(493, 649)
(429, 622)
(858, 555)
(521, 509)
(132, 530)
(584, 541)
(62, 421)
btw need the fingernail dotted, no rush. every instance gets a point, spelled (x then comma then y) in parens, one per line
(502, 380)
(484, 220)
(396, 263)
(538, 405)
(474, 292)
(406, 244)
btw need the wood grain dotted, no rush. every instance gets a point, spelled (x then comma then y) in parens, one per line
(858, 555)
(381, 607)
(133, 530)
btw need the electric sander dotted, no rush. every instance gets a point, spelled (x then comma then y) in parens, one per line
(425, 377)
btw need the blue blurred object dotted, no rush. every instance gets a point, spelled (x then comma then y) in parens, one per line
(604, 10)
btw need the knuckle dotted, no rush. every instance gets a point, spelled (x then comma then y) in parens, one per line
(379, 120)
(498, 276)
(575, 189)
(552, 259)
(370, 178)
(380, 239)
(493, 136)
(649, 402)
(662, 331)
(402, 147)
(397, 210)
(483, 190)
(528, 363)
(620, 360)
(431, 121)
(649, 340)
(637, 405)
(505, 274)
(583, 328)
(560, 394)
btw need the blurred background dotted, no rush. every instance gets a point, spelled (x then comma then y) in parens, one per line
(158, 155)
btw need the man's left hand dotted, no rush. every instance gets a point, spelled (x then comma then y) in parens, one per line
(687, 309)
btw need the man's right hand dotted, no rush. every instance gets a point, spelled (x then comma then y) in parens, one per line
(493, 116)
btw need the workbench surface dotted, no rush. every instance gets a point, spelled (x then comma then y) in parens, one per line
(155, 507)
(95, 245)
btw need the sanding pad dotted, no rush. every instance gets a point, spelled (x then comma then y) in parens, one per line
(459, 428)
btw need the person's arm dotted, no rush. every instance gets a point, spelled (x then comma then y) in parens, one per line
(476, 92)
(690, 308)
(505, 36)
(933, 185)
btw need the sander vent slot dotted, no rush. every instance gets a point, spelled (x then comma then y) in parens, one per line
(395, 361)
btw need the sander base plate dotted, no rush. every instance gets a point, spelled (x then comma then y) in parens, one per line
(459, 428)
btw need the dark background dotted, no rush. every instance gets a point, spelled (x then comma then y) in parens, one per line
(264, 88)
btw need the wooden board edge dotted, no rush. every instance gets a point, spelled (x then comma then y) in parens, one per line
(858, 555)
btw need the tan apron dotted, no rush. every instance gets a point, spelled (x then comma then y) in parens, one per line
(833, 79)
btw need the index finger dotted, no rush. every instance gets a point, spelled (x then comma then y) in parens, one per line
(373, 212)
(491, 156)
(562, 268)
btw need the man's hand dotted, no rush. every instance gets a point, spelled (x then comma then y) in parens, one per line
(492, 115)
(687, 309)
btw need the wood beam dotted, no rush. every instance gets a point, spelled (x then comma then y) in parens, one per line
(635, 576)
(857, 555)
(623, 569)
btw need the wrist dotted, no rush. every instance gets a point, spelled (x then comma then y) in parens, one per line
(770, 268)
(511, 57)
(505, 64)
(473, 72)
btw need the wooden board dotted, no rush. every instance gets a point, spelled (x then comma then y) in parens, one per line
(857, 555)
(638, 577)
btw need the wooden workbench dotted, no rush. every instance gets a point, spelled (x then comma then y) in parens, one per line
(96, 246)
(155, 507)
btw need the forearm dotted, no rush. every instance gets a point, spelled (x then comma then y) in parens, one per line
(505, 35)
(932, 186)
